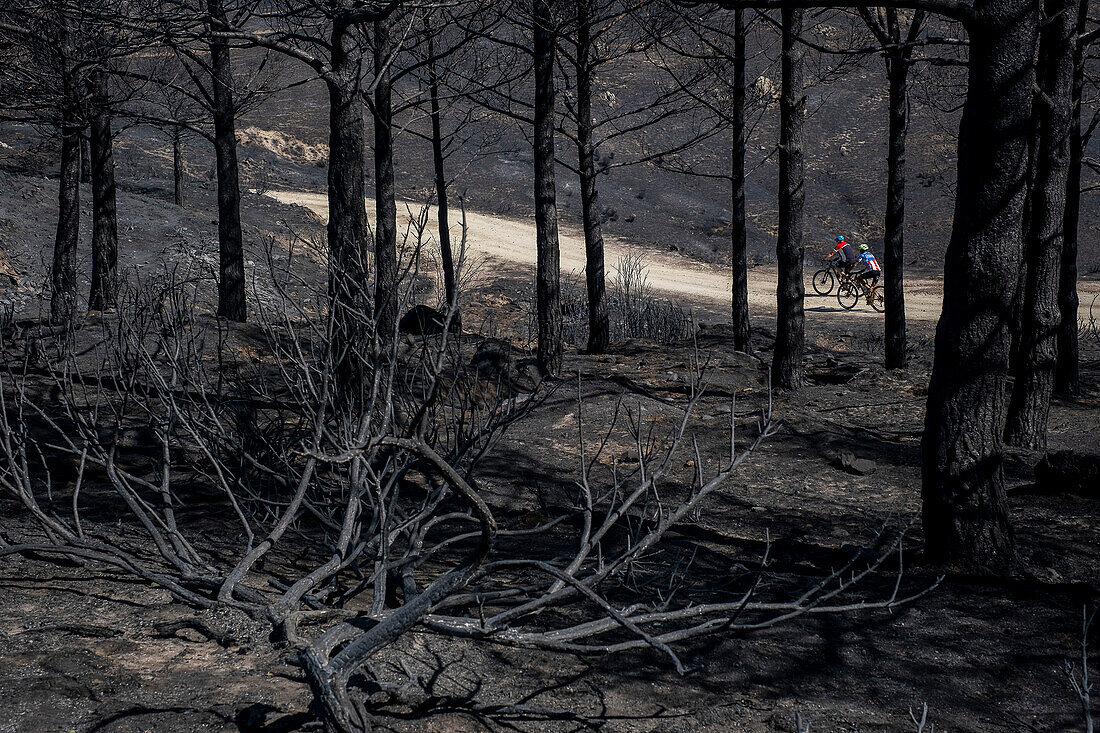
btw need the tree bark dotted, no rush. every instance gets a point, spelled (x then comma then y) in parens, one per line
(385, 234)
(231, 283)
(104, 290)
(1067, 381)
(445, 253)
(548, 265)
(177, 165)
(348, 230)
(787, 369)
(965, 512)
(63, 272)
(738, 221)
(599, 327)
(1034, 371)
(896, 357)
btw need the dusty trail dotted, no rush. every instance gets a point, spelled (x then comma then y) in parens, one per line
(512, 241)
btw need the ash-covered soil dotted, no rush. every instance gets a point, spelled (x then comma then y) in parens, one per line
(84, 650)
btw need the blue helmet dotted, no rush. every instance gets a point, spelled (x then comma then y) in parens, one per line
(840, 239)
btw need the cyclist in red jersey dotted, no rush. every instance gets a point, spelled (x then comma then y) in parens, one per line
(845, 254)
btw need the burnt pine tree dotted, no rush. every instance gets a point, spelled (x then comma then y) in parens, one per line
(385, 233)
(739, 244)
(446, 255)
(965, 513)
(63, 271)
(1067, 382)
(718, 85)
(548, 257)
(231, 283)
(599, 328)
(104, 287)
(178, 196)
(348, 230)
(449, 72)
(63, 299)
(787, 368)
(887, 26)
(1034, 367)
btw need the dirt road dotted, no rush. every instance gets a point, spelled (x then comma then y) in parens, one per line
(513, 241)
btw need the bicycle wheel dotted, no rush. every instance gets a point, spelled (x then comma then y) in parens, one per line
(823, 282)
(878, 301)
(847, 295)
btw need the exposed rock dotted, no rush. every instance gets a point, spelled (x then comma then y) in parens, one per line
(422, 320)
(498, 361)
(847, 461)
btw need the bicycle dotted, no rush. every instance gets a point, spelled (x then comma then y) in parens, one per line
(853, 289)
(825, 279)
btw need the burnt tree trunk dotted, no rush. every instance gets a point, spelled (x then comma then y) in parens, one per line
(548, 265)
(450, 287)
(599, 327)
(787, 369)
(1067, 381)
(63, 271)
(177, 165)
(385, 234)
(348, 230)
(231, 282)
(738, 221)
(897, 69)
(104, 290)
(964, 509)
(1033, 377)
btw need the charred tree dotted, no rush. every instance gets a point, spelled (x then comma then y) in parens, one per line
(787, 369)
(231, 282)
(385, 234)
(738, 220)
(63, 271)
(893, 250)
(104, 290)
(1033, 377)
(599, 327)
(548, 265)
(450, 286)
(1067, 381)
(348, 230)
(177, 166)
(897, 42)
(898, 61)
(965, 513)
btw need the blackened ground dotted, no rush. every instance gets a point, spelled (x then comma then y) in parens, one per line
(84, 650)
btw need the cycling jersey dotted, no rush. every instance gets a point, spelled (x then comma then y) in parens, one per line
(847, 253)
(869, 260)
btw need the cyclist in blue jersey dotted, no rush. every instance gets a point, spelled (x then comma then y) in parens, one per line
(871, 270)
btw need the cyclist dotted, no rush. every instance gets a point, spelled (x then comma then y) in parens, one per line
(869, 275)
(844, 253)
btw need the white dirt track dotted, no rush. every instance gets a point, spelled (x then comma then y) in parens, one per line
(512, 241)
